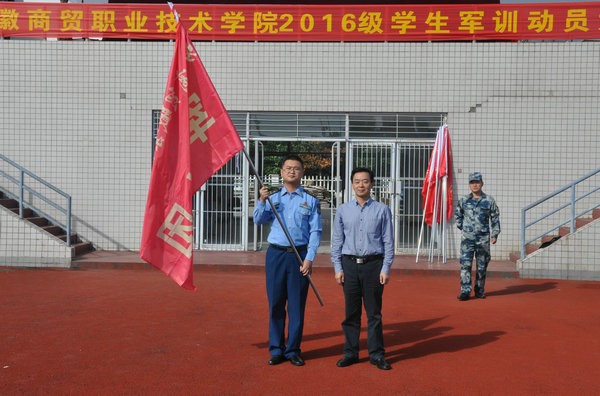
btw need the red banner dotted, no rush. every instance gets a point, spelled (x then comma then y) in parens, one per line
(195, 139)
(264, 22)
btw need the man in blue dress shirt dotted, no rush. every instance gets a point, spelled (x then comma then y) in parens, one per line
(362, 251)
(286, 280)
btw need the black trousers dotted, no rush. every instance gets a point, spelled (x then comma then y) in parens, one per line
(361, 283)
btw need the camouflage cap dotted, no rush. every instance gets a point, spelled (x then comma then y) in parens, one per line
(475, 176)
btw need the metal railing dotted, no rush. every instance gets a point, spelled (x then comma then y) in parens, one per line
(572, 213)
(23, 187)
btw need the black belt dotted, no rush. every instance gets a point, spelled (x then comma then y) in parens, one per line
(288, 249)
(364, 259)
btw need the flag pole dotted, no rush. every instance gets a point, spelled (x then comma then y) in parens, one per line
(445, 195)
(289, 238)
(423, 221)
(434, 226)
(433, 154)
(444, 216)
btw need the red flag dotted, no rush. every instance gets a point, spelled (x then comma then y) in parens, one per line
(440, 166)
(195, 139)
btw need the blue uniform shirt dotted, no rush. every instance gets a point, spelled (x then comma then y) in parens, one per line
(300, 213)
(363, 231)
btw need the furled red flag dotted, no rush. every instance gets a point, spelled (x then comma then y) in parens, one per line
(440, 166)
(195, 139)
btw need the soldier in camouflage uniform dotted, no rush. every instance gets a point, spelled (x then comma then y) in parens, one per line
(478, 217)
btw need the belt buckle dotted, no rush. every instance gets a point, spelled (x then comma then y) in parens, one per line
(360, 260)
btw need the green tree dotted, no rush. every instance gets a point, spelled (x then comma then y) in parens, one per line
(316, 156)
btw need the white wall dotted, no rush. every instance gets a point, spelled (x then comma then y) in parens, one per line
(22, 244)
(523, 114)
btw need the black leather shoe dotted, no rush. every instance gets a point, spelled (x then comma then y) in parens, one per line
(479, 295)
(296, 360)
(346, 361)
(463, 296)
(276, 359)
(381, 364)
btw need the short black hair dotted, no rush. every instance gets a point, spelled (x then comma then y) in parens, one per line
(292, 157)
(360, 170)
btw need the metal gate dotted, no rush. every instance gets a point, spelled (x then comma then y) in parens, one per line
(399, 170)
(228, 198)
(221, 224)
(411, 165)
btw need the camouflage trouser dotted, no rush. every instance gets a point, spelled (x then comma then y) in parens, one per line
(480, 247)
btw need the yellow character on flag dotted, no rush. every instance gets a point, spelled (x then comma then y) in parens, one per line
(8, 19)
(136, 22)
(165, 117)
(471, 21)
(265, 22)
(370, 22)
(506, 21)
(541, 21)
(233, 21)
(39, 19)
(166, 22)
(177, 230)
(576, 20)
(71, 20)
(197, 117)
(437, 21)
(183, 80)
(402, 21)
(103, 20)
(190, 54)
(201, 22)
(170, 97)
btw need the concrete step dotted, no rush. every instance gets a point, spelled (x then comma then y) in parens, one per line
(52, 229)
(548, 238)
(9, 203)
(80, 248)
(26, 212)
(38, 221)
(74, 238)
(531, 247)
(580, 222)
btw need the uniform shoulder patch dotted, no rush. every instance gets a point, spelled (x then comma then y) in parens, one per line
(311, 194)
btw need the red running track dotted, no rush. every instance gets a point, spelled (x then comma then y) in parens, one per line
(135, 332)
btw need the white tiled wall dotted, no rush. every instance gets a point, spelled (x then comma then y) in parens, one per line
(22, 244)
(78, 113)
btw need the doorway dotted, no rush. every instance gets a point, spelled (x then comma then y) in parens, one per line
(396, 146)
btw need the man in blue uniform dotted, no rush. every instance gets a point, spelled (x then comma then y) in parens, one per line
(286, 280)
(362, 252)
(478, 217)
